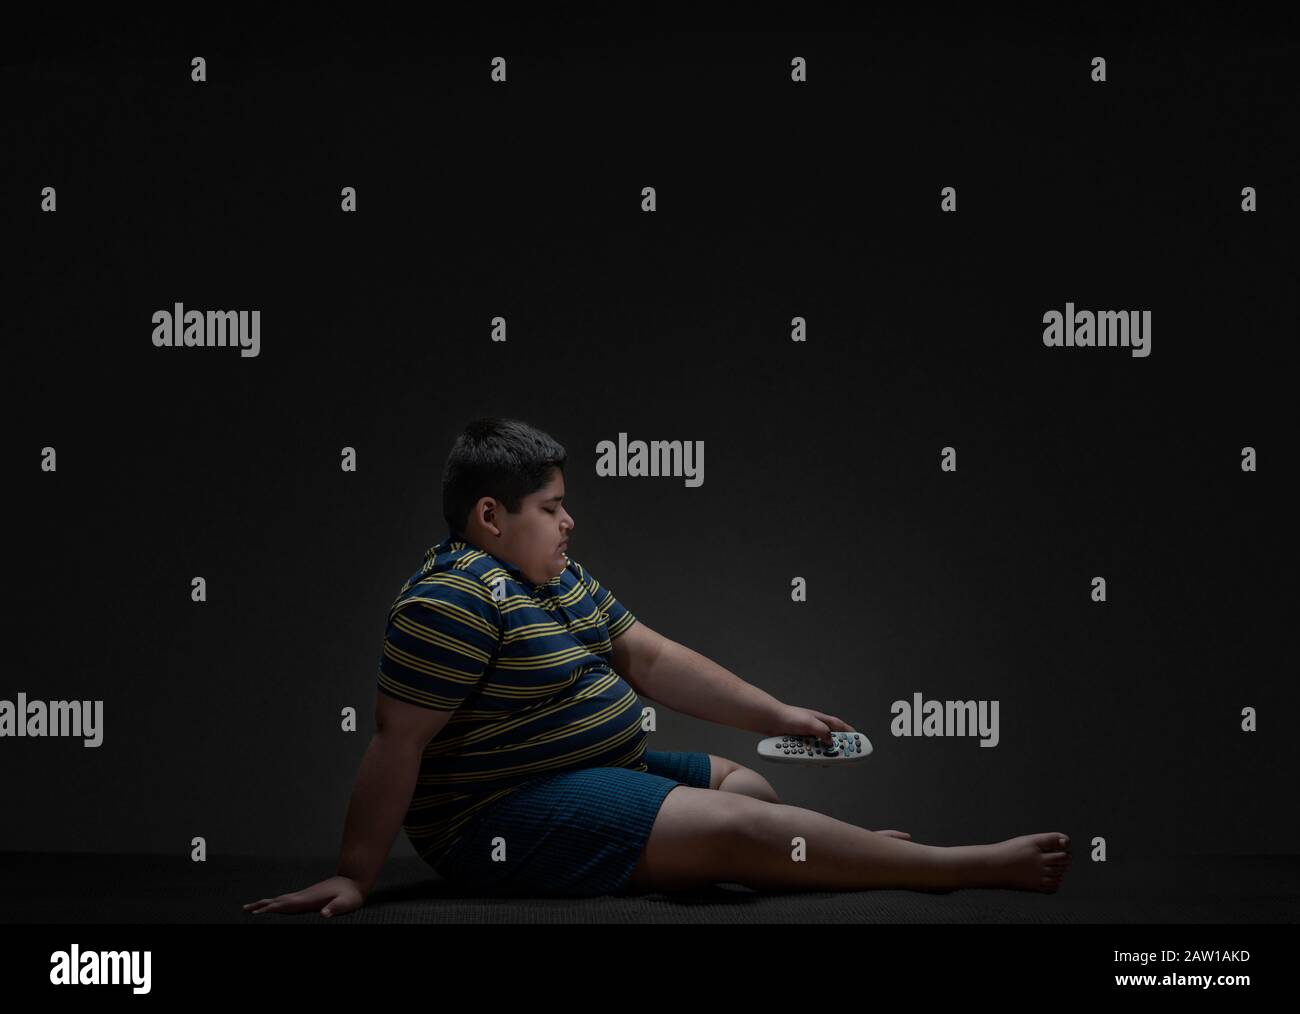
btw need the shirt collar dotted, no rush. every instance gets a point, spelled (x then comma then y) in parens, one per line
(515, 572)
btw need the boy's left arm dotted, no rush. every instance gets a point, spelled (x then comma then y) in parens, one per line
(671, 673)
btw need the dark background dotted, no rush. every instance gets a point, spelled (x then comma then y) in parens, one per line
(821, 459)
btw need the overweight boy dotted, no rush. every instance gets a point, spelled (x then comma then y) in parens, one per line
(509, 742)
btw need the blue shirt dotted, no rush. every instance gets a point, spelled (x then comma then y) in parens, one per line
(525, 669)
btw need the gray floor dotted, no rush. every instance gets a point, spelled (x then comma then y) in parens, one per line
(71, 888)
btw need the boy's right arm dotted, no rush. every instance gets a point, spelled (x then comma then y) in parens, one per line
(385, 785)
(380, 799)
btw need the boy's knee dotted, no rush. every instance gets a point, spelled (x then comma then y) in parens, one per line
(749, 782)
(744, 820)
(768, 793)
(719, 768)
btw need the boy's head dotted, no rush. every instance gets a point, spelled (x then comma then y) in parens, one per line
(503, 490)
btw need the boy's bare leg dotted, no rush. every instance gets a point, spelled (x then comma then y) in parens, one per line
(702, 836)
(728, 776)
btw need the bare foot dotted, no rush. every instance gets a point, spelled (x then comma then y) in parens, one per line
(1031, 862)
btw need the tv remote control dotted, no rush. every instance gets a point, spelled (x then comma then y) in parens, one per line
(843, 748)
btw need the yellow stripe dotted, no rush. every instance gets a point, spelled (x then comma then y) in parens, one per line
(412, 625)
(403, 692)
(570, 759)
(419, 664)
(519, 719)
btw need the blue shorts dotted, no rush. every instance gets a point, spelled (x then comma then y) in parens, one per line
(577, 833)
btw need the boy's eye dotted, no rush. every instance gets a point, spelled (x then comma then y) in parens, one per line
(548, 510)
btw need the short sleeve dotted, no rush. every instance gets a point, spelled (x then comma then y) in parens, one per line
(438, 646)
(617, 617)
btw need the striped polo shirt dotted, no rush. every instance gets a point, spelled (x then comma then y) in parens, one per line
(524, 667)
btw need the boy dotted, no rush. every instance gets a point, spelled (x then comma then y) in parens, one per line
(508, 737)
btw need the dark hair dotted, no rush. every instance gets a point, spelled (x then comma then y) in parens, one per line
(502, 458)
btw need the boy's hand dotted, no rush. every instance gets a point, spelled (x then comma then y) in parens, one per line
(332, 897)
(792, 721)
